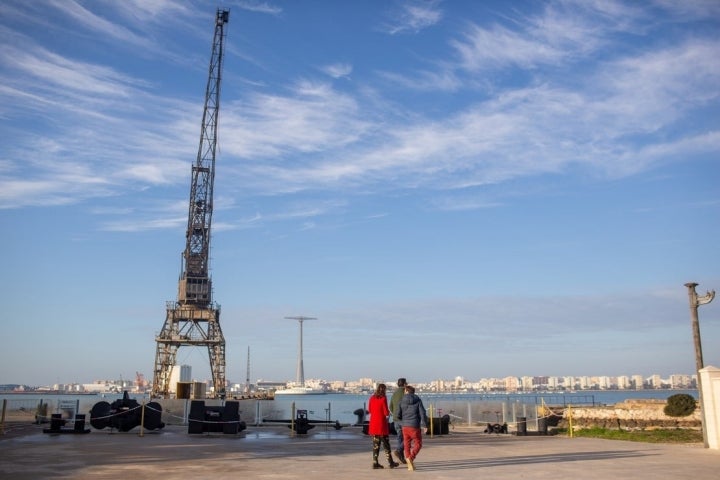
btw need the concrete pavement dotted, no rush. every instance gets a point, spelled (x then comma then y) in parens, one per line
(324, 454)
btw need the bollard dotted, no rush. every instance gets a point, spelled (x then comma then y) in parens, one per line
(438, 425)
(542, 426)
(56, 422)
(292, 420)
(521, 426)
(79, 426)
(2, 419)
(431, 420)
(41, 413)
(142, 419)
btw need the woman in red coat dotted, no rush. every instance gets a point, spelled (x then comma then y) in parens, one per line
(379, 427)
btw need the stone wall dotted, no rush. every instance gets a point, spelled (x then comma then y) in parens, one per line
(629, 415)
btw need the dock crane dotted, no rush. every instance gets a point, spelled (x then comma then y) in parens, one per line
(194, 319)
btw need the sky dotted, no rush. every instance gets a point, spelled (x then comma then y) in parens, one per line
(451, 188)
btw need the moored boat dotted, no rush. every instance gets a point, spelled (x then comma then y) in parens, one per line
(300, 391)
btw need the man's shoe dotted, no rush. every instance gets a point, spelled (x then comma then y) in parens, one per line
(376, 466)
(400, 456)
(410, 464)
(394, 465)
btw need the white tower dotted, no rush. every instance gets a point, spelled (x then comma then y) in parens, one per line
(300, 373)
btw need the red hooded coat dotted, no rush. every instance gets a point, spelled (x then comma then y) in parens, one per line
(378, 409)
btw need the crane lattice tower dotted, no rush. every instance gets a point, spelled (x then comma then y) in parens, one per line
(194, 319)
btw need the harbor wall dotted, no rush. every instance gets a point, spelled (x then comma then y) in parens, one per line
(628, 415)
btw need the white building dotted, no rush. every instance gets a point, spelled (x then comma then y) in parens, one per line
(680, 381)
(623, 382)
(180, 373)
(638, 382)
(604, 382)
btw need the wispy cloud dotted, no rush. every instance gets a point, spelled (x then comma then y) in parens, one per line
(455, 204)
(562, 33)
(314, 118)
(522, 132)
(92, 22)
(413, 16)
(92, 129)
(130, 225)
(156, 216)
(62, 188)
(593, 119)
(48, 73)
(260, 7)
(304, 210)
(499, 47)
(691, 10)
(337, 70)
(442, 79)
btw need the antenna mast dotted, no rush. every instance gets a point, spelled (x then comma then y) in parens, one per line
(194, 319)
(300, 373)
(247, 373)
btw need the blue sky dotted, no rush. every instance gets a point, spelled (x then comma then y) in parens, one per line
(453, 188)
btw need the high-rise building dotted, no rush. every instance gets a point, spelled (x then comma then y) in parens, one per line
(569, 383)
(680, 381)
(180, 373)
(511, 384)
(655, 381)
(638, 382)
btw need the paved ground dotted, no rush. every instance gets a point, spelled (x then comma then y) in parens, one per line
(272, 453)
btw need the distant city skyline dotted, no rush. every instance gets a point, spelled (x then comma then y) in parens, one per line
(508, 383)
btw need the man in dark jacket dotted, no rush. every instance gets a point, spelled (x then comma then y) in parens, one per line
(394, 405)
(412, 416)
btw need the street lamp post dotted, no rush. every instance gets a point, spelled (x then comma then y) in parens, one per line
(695, 302)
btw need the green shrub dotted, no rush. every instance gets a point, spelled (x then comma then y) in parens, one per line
(680, 405)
